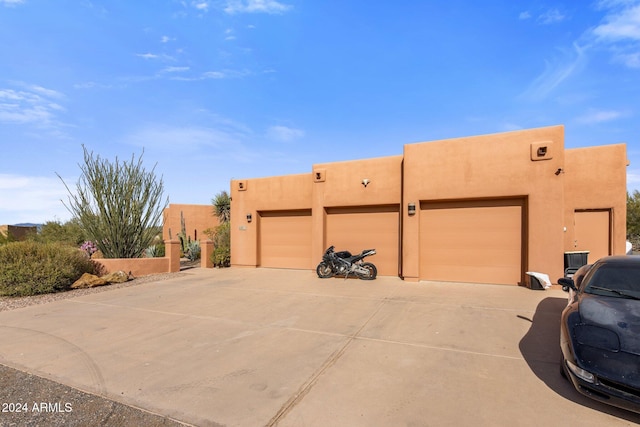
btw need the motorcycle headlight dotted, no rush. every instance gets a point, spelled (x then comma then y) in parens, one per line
(597, 337)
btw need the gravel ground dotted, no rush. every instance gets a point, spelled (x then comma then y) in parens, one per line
(29, 400)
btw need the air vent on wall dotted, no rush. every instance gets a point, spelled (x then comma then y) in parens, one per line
(542, 150)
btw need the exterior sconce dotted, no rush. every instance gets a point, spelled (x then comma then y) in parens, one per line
(411, 208)
(365, 182)
(249, 217)
(559, 171)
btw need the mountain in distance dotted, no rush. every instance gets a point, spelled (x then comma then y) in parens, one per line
(28, 224)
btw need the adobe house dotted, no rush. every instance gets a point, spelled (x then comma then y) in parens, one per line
(18, 232)
(481, 209)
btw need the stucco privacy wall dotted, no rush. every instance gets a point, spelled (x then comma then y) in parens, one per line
(593, 179)
(197, 218)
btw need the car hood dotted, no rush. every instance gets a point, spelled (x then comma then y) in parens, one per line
(621, 315)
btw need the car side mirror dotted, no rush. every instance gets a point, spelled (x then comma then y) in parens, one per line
(567, 284)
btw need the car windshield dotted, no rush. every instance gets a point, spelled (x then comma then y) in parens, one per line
(615, 280)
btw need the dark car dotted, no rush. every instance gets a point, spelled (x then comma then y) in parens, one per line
(600, 331)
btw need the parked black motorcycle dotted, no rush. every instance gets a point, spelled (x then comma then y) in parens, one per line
(343, 263)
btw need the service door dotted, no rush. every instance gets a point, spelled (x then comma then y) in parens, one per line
(369, 227)
(472, 241)
(593, 233)
(284, 239)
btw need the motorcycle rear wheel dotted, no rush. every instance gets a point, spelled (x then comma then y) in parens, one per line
(324, 271)
(372, 273)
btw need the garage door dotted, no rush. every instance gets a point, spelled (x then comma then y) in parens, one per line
(472, 241)
(285, 239)
(593, 233)
(370, 227)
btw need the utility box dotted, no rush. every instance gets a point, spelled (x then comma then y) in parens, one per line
(573, 261)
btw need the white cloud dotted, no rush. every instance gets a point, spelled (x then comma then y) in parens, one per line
(633, 179)
(147, 55)
(201, 5)
(229, 34)
(594, 117)
(631, 60)
(555, 74)
(166, 39)
(46, 92)
(11, 2)
(32, 198)
(524, 15)
(91, 85)
(552, 16)
(214, 75)
(33, 105)
(256, 6)
(620, 31)
(284, 133)
(621, 25)
(175, 69)
(181, 138)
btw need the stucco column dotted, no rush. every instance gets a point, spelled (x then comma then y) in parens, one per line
(206, 250)
(172, 251)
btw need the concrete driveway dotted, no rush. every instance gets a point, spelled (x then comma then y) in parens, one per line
(255, 347)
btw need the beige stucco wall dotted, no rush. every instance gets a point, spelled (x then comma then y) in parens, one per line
(339, 185)
(144, 266)
(197, 219)
(491, 166)
(251, 196)
(342, 187)
(551, 186)
(593, 179)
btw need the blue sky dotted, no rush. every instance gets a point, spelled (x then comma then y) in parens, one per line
(221, 89)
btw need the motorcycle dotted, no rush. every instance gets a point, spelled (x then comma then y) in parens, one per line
(343, 262)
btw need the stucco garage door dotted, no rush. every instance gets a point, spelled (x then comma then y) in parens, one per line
(285, 239)
(370, 227)
(472, 241)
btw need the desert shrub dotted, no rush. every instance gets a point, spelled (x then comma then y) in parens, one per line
(155, 251)
(69, 233)
(31, 268)
(221, 256)
(4, 239)
(119, 204)
(193, 250)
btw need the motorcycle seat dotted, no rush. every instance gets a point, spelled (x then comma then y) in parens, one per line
(343, 254)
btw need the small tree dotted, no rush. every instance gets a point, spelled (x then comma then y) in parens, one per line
(118, 204)
(221, 235)
(633, 218)
(222, 206)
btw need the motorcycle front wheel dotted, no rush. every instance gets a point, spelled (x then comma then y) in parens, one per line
(324, 270)
(371, 273)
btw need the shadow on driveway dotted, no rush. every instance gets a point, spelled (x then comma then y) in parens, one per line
(540, 348)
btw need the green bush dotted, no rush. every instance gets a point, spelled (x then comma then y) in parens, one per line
(4, 239)
(221, 256)
(31, 268)
(155, 251)
(70, 233)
